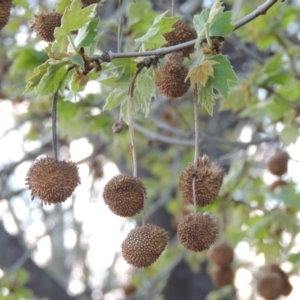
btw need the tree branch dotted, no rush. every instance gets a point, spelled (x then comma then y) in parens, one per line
(109, 56)
(202, 139)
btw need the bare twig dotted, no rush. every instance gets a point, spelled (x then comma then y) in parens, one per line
(203, 139)
(261, 10)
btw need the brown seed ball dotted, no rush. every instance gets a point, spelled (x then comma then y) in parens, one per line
(270, 286)
(52, 181)
(276, 184)
(89, 2)
(278, 163)
(197, 231)
(286, 286)
(144, 245)
(221, 254)
(222, 276)
(5, 6)
(171, 79)
(182, 33)
(124, 195)
(45, 23)
(208, 181)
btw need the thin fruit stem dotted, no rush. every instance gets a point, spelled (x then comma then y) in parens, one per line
(119, 47)
(54, 120)
(195, 100)
(173, 8)
(144, 213)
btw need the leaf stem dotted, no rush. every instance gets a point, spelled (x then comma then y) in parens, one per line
(72, 43)
(54, 127)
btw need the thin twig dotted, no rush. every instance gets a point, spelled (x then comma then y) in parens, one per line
(120, 28)
(54, 119)
(261, 10)
(203, 139)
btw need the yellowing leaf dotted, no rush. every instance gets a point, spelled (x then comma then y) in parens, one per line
(202, 72)
(214, 11)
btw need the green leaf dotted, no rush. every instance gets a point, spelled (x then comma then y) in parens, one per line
(290, 134)
(115, 98)
(224, 76)
(206, 97)
(146, 89)
(77, 60)
(53, 80)
(38, 73)
(74, 18)
(62, 5)
(154, 36)
(88, 34)
(212, 22)
(25, 59)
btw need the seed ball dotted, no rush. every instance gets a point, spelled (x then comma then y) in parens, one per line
(270, 286)
(286, 286)
(276, 184)
(118, 126)
(52, 181)
(44, 25)
(197, 231)
(89, 2)
(182, 33)
(208, 180)
(221, 254)
(222, 276)
(144, 245)
(5, 6)
(171, 80)
(278, 163)
(124, 195)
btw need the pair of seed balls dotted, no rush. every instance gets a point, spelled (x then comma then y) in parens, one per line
(52, 181)
(198, 231)
(170, 78)
(274, 283)
(125, 195)
(222, 255)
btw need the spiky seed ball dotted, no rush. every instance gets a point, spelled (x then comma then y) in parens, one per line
(52, 181)
(128, 289)
(208, 181)
(5, 6)
(221, 254)
(197, 231)
(286, 286)
(124, 195)
(270, 286)
(276, 184)
(278, 163)
(222, 276)
(170, 79)
(45, 23)
(144, 244)
(182, 33)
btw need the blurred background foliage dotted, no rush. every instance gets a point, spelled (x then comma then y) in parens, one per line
(77, 244)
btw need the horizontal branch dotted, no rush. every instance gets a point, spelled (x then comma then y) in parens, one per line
(202, 139)
(109, 56)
